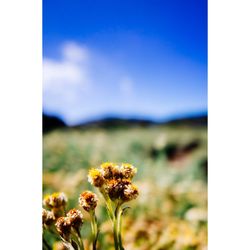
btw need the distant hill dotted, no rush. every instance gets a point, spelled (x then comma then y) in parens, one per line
(51, 123)
(198, 120)
(113, 122)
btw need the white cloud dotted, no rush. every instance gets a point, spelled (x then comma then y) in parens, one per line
(78, 83)
(74, 52)
(70, 70)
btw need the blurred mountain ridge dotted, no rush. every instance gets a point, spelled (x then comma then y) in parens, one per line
(110, 122)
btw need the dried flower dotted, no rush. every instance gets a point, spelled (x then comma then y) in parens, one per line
(115, 180)
(63, 226)
(48, 217)
(130, 192)
(115, 188)
(55, 200)
(128, 171)
(95, 177)
(110, 170)
(88, 200)
(76, 218)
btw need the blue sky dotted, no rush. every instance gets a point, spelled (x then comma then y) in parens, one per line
(125, 58)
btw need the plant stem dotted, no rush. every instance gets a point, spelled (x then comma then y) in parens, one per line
(108, 204)
(94, 228)
(77, 238)
(45, 243)
(116, 240)
(118, 214)
(119, 225)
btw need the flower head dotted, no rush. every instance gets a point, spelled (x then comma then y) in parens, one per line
(95, 177)
(130, 192)
(48, 217)
(88, 200)
(110, 170)
(115, 188)
(115, 180)
(128, 171)
(55, 200)
(76, 218)
(63, 226)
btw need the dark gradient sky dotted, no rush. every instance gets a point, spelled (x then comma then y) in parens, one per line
(137, 58)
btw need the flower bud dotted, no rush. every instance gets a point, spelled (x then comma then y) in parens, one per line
(95, 177)
(76, 218)
(63, 226)
(88, 200)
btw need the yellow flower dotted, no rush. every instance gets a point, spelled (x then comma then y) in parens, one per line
(110, 170)
(115, 180)
(95, 177)
(55, 200)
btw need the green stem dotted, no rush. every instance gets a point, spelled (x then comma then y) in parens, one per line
(80, 243)
(94, 228)
(113, 217)
(77, 238)
(116, 240)
(118, 214)
(119, 225)
(108, 204)
(45, 243)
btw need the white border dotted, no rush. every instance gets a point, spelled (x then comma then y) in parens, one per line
(228, 116)
(21, 140)
(21, 124)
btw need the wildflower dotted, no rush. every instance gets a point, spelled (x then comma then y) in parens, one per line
(108, 170)
(115, 188)
(128, 171)
(88, 200)
(63, 226)
(130, 192)
(48, 217)
(76, 219)
(95, 177)
(55, 200)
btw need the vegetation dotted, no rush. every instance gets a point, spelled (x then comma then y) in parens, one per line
(171, 209)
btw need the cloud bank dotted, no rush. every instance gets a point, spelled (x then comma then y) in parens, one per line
(71, 81)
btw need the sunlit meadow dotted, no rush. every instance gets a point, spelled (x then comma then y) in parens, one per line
(170, 210)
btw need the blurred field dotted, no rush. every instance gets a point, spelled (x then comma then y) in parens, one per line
(171, 210)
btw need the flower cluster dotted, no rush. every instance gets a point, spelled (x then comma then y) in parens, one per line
(72, 221)
(115, 181)
(56, 202)
(63, 226)
(76, 218)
